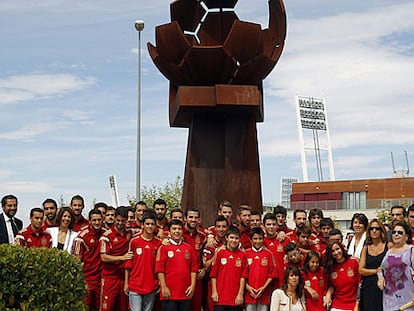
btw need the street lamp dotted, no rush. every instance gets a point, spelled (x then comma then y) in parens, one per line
(139, 26)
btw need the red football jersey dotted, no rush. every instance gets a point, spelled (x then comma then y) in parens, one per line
(228, 268)
(27, 237)
(142, 277)
(262, 266)
(318, 281)
(177, 261)
(114, 243)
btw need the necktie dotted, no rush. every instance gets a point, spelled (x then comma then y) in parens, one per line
(14, 226)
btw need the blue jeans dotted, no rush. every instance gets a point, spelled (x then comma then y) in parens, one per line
(139, 302)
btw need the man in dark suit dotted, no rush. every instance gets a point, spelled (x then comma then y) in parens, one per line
(9, 225)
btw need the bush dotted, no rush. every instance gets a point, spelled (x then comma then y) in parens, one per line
(40, 279)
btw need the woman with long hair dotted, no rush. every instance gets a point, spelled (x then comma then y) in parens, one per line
(359, 225)
(63, 235)
(290, 297)
(342, 270)
(370, 264)
(395, 279)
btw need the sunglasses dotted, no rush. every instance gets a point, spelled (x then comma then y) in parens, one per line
(375, 229)
(397, 232)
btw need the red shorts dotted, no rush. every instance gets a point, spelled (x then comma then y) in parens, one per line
(93, 296)
(113, 297)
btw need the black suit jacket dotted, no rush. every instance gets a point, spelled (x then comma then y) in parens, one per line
(4, 237)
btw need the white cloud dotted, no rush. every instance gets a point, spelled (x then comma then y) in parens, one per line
(31, 130)
(34, 86)
(26, 187)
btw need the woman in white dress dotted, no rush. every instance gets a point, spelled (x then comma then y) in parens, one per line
(63, 235)
(290, 297)
(359, 225)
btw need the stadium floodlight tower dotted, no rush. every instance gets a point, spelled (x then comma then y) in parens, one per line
(314, 138)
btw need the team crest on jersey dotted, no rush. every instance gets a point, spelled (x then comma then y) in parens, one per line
(280, 248)
(334, 275)
(321, 282)
(43, 241)
(170, 254)
(238, 262)
(139, 251)
(264, 262)
(249, 261)
(308, 283)
(187, 255)
(223, 261)
(350, 272)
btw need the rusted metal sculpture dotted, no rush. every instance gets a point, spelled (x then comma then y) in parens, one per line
(216, 64)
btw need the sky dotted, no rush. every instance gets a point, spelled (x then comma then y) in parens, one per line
(68, 94)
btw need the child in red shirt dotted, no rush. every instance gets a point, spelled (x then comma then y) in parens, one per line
(261, 272)
(140, 278)
(228, 274)
(316, 282)
(177, 269)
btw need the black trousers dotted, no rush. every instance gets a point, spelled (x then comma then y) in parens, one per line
(176, 305)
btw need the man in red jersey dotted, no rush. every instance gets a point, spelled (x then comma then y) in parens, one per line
(160, 209)
(109, 220)
(177, 268)
(86, 249)
(33, 235)
(140, 278)
(299, 217)
(113, 246)
(140, 208)
(50, 209)
(256, 220)
(243, 219)
(228, 274)
(193, 236)
(76, 205)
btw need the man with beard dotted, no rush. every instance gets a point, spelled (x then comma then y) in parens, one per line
(140, 208)
(50, 209)
(33, 235)
(86, 249)
(109, 217)
(113, 246)
(77, 204)
(299, 217)
(9, 225)
(193, 236)
(160, 209)
(243, 219)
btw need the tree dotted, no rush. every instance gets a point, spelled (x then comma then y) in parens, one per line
(171, 192)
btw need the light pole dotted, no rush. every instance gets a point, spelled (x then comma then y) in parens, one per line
(139, 26)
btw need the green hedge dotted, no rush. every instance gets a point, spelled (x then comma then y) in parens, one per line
(40, 279)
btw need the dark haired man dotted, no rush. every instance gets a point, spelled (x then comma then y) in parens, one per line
(86, 249)
(9, 225)
(33, 235)
(77, 205)
(160, 209)
(113, 246)
(50, 209)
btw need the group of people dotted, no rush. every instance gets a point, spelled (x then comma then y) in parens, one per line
(137, 258)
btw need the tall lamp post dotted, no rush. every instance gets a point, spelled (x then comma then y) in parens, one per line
(139, 26)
